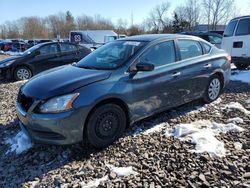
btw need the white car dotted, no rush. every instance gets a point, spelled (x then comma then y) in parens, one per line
(236, 41)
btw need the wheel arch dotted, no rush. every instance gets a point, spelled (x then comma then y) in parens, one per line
(221, 76)
(112, 100)
(22, 65)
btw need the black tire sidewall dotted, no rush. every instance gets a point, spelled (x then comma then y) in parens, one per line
(90, 130)
(206, 95)
(18, 68)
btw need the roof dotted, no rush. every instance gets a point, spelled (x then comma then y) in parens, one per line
(246, 16)
(152, 37)
(202, 33)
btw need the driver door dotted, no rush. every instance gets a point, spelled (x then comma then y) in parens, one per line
(155, 90)
(48, 58)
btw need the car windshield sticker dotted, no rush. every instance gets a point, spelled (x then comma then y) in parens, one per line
(132, 43)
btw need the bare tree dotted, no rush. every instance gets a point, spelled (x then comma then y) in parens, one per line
(34, 27)
(158, 19)
(218, 12)
(121, 26)
(188, 14)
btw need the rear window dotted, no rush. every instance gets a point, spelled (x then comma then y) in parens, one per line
(207, 48)
(230, 29)
(243, 27)
(189, 48)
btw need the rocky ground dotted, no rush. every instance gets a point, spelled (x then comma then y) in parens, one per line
(155, 159)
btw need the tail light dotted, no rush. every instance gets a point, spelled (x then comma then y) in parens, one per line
(229, 58)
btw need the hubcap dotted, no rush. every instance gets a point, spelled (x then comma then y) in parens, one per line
(214, 89)
(23, 74)
(107, 125)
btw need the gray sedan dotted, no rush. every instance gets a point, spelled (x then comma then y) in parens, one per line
(118, 84)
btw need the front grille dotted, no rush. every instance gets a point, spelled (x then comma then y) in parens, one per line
(25, 101)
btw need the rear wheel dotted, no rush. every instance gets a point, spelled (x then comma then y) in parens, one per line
(213, 89)
(22, 73)
(106, 124)
(241, 66)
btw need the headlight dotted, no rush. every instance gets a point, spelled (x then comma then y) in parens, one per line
(58, 104)
(6, 64)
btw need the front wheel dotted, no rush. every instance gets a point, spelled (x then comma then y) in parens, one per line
(22, 73)
(106, 124)
(213, 89)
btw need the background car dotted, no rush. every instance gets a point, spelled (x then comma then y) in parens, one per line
(212, 37)
(41, 57)
(118, 84)
(236, 41)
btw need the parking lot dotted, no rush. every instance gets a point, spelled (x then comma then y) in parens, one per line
(160, 151)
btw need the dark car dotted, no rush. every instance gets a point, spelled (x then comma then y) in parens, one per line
(212, 37)
(39, 58)
(120, 83)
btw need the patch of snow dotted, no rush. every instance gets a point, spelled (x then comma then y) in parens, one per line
(248, 101)
(237, 120)
(233, 66)
(205, 141)
(238, 145)
(156, 128)
(13, 53)
(237, 106)
(137, 131)
(202, 134)
(94, 183)
(243, 76)
(122, 171)
(198, 109)
(19, 143)
(203, 108)
(33, 184)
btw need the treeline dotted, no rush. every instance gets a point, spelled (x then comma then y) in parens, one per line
(159, 20)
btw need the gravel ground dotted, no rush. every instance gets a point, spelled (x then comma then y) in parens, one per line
(157, 160)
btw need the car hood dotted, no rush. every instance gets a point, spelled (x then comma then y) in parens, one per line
(10, 59)
(61, 80)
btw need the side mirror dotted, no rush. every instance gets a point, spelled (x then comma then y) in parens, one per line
(37, 53)
(145, 67)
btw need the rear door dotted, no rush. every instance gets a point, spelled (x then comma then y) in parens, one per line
(194, 70)
(69, 54)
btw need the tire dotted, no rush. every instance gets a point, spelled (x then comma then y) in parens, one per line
(22, 73)
(106, 124)
(213, 89)
(241, 66)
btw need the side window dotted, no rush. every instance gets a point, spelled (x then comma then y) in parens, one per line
(207, 47)
(230, 29)
(189, 48)
(160, 54)
(243, 27)
(68, 48)
(215, 39)
(49, 49)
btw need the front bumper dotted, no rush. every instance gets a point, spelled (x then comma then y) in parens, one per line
(56, 129)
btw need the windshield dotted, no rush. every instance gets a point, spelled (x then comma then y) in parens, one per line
(30, 50)
(111, 55)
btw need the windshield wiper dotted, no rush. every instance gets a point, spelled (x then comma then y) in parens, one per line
(88, 67)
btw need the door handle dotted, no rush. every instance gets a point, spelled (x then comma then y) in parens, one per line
(207, 65)
(176, 74)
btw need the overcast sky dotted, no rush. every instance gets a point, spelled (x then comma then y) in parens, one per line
(112, 9)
